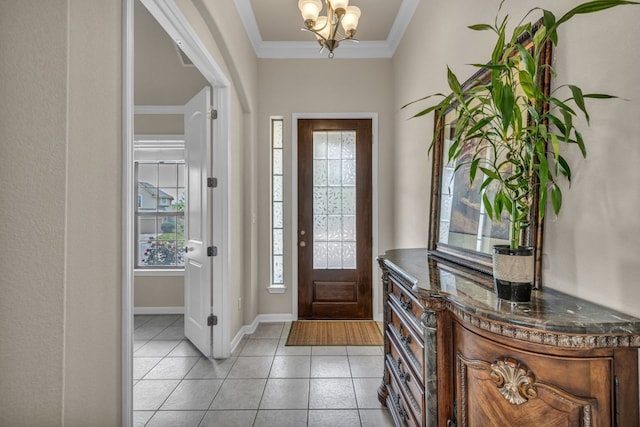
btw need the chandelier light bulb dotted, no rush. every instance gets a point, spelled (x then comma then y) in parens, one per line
(340, 6)
(350, 20)
(310, 9)
(322, 28)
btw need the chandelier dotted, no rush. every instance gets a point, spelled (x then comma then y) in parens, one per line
(339, 13)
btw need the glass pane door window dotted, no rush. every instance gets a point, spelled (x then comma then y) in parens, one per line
(334, 200)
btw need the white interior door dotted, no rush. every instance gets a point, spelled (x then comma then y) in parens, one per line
(198, 266)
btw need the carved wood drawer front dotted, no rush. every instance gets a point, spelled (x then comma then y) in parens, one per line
(409, 343)
(409, 304)
(397, 401)
(410, 384)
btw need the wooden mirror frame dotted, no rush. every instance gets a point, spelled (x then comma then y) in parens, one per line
(476, 260)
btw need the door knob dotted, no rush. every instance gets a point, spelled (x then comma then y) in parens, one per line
(303, 244)
(188, 249)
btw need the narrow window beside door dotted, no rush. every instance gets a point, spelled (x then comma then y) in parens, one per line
(277, 202)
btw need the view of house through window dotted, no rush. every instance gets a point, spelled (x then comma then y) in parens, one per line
(160, 196)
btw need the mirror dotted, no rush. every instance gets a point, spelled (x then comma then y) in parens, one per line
(460, 230)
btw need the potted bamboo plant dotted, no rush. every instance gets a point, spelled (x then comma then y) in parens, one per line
(508, 133)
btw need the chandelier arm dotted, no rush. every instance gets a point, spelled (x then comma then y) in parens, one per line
(314, 32)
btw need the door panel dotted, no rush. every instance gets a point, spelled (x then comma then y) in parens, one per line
(334, 219)
(197, 270)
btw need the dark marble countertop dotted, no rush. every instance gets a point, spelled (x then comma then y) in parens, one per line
(471, 292)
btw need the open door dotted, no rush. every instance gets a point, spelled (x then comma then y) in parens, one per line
(198, 264)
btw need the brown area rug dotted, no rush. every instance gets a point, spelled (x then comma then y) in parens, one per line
(332, 332)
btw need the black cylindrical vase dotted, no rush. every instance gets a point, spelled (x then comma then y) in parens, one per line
(513, 272)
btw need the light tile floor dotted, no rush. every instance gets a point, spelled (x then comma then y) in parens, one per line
(264, 383)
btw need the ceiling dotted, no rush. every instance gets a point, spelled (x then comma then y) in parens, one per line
(274, 27)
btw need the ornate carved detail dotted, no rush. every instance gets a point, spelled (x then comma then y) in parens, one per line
(518, 385)
(435, 304)
(547, 337)
(514, 381)
(430, 319)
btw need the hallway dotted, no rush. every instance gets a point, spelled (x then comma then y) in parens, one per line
(264, 383)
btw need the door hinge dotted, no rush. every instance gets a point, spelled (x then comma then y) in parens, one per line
(212, 182)
(212, 320)
(212, 113)
(212, 251)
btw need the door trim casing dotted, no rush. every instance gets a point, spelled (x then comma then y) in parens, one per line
(375, 281)
(168, 14)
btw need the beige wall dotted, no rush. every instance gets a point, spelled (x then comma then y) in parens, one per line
(590, 250)
(318, 86)
(158, 291)
(60, 283)
(60, 125)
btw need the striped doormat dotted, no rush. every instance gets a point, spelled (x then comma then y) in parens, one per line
(332, 332)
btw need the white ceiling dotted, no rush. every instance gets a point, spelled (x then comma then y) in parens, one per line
(274, 27)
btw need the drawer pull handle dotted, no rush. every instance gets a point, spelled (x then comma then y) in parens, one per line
(406, 304)
(404, 377)
(403, 414)
(405, 339)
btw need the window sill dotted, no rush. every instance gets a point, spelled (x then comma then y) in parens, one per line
(276, 289)
(157, 273)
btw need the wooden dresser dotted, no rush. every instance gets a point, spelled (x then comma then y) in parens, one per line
(455, 355)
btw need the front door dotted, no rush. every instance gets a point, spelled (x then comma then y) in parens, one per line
(334, 219)
(197, 265)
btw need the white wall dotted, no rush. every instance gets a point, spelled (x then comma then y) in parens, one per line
(60, 228)
(592, 249)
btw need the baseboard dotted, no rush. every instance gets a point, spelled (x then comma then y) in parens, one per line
(251, 328)
(158, 310)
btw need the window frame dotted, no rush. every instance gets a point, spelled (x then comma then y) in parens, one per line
(275, 146)
(155, 149)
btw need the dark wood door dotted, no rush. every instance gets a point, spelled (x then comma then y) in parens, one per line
(334, 219)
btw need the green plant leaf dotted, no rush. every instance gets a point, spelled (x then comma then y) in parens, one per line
(526, 82)
(487, 204)
(492, 67)
(562, 105)
(580, 143)
(592, 6)
(480, 27)
(598, 96)
(424, 98)
(527, 60)
(557, 123)
(556, 198)
(542, 202)
(452, 150)
(579, 100)
(473, 169)
(490, 173)
(564, 168)
(454, 83)
(556, 146)
(499, 47)
(427, 111)
(568, 122)
(549, 21)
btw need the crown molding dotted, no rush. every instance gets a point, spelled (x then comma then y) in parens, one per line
(310, 50)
